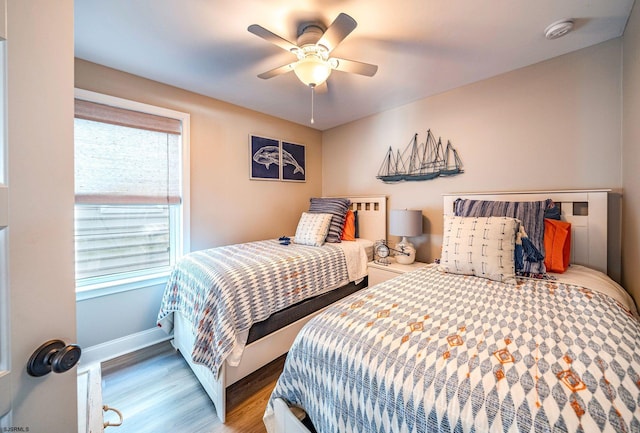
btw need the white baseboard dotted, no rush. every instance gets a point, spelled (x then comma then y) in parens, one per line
(121, 346)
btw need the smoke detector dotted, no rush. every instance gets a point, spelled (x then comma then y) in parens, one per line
(558, 29)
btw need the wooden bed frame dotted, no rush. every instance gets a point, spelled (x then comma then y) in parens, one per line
(585, 210)
(372, 224)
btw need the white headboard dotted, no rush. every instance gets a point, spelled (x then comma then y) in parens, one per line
(585, 210)
(372, 216)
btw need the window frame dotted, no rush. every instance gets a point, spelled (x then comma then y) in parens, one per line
(180, 238)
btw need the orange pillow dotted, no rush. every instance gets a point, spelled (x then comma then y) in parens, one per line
(349, 229)
(557, 245)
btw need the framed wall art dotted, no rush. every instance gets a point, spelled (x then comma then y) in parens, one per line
(293, 162)
(272, 159)
(264, 154)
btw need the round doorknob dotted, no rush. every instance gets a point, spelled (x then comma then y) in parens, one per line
(54, 356)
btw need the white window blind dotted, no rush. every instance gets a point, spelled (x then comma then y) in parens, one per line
(125, 157)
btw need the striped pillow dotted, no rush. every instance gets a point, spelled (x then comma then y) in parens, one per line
(530, 213)
(338, 208)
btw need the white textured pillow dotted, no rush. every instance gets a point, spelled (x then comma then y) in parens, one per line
(480, 246)
(312, 229)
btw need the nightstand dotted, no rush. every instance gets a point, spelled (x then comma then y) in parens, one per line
(379, 273)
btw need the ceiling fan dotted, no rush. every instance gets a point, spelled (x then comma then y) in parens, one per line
(313, 48)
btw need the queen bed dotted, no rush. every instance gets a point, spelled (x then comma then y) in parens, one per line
(450, 348)
(236, 308)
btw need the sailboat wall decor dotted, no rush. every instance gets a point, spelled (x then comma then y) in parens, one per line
(420, 161)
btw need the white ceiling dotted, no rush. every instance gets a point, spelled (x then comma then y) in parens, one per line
(422, 47)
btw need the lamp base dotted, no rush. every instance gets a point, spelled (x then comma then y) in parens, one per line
(409, 251)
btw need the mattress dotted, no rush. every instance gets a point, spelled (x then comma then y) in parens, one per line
(289, 315)
(430, 351)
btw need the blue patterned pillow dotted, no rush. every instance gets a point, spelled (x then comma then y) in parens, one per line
(530, 213)
(338, 208)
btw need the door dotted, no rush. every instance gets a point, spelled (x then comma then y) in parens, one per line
(37, 290)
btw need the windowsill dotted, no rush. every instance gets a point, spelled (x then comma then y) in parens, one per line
(110, 288)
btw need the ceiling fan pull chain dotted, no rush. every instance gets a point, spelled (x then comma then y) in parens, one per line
(312, 93)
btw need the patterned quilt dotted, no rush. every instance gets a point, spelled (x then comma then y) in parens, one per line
(225, 290)
(435, 352)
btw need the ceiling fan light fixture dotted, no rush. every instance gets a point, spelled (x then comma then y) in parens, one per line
(312, 70)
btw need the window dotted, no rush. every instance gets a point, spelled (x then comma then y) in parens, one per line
(131, 177)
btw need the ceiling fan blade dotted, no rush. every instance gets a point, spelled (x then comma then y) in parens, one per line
(337, 31)
(272, 37)
(277, 71)
(354, 67)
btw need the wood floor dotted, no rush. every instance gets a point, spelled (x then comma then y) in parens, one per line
(157, 393)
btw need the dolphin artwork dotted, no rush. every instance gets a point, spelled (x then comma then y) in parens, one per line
(268, 155)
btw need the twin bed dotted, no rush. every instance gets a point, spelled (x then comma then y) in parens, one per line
(236, 308)
(436, 350)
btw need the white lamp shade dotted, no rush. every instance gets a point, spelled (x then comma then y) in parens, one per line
(312, 70)
(405, 222)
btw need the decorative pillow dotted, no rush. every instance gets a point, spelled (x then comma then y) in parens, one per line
(338, 208)
(349, 229)
(557, 244)
(530, 213)
(312, 229)
(480, 246)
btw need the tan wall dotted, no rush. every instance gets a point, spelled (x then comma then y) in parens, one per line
(226, 207)
(631, 156)
(552, 125)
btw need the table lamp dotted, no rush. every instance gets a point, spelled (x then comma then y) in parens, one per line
(405, 223)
